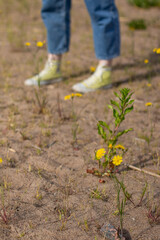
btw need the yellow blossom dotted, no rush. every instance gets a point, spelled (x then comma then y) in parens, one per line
(100, 153)
(78, 94)
(120, 147)
(92, 69)
(117, 160)
(148, 104)
(67, 97)
(155, 50)
(146, 61)
(39, 44)
(28, 44)
(149, 84)
(158, 51)
(1, 160)
(110, 146)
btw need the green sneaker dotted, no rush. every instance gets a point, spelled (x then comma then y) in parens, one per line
(50, 74)
(100, 79)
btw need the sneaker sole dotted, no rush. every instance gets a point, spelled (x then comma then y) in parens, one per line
(86, 90)
(42, 83)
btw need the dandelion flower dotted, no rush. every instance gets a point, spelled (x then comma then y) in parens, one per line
(100, 153)
(148, 104)
(146, 61)
(110, 146)
(117, 160)
(67, 97)
(158, 51)
(72, 96)
(28, 44)
(78, 94)
(119, 146)
(155, 50)
(92, 69)
(149, 84)
(39, 44)
(1, 160)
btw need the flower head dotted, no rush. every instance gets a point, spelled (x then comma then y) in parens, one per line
(149, 84)
(155, 50)
(158, 51)
(92, 69)
(67, 97)
(117, 160)
(110, 146)
(119, 146)
(1, 160)
(28, 44)
(100, 153)
(39, 44)
(146, 61)
(148, 104)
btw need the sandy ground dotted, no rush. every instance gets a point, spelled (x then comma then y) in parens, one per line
(47, 192)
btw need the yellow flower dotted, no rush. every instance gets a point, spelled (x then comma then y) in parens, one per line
(100, 153)
(120, 147)
(148, 104)
(28, 44)
(78, 94)
(67, 97)
(39, 44)
(1, 160)
(72, 96)
(146, 61)
(158, 51)
(92, 69)
(149, 84)
(155, 50)
(110, 146)
(117, 160)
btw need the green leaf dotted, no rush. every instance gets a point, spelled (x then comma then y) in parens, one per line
(102, 132)
(115, 113)
(125, 131)
(127, 110)
(130, 102)
(117, 95)
(115, 104)
(109, 106)
(104, 124)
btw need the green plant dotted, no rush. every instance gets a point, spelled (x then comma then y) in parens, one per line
(145, 3)
(120, 110)
(137, 24)
(121, 202)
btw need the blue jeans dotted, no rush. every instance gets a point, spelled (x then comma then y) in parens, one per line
(105, 24)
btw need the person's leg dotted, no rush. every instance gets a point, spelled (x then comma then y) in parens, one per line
(56, 17)
(106, 35)
(106, 30)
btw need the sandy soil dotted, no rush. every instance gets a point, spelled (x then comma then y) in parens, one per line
(47, 192)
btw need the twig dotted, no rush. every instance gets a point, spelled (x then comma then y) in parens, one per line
(142, 170)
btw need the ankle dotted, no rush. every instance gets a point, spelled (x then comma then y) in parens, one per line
(105, 63)
(55, 57)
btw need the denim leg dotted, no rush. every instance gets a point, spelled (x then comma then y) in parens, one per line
(106, 30)
(56, 17)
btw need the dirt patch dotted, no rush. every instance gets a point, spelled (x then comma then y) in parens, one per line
(47, 192)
